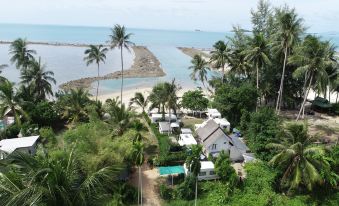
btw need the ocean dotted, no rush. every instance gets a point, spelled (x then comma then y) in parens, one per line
(67, 62)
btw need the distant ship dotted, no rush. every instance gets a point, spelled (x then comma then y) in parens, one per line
(197, 30)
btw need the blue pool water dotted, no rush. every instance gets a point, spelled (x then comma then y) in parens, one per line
(171, 170)
(67, 62)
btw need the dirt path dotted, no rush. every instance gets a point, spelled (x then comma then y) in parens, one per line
(149, 183)
(149, 177)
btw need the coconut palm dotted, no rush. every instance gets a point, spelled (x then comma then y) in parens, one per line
(220, 56)
(171, 100)
(288, 34)
(199, 69)
(140, 100)
(138, 156)
(39, 79)
(312, 59)
(119, 39)
(74, 103)
(193, 164)
(2, 66)
(158, 97)
(96, 54)
(120, 115)
(10, 102)
(46, 180)
(258, 54)
(21, 55)
(301, 162)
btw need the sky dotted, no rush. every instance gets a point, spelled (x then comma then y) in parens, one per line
(207, 15)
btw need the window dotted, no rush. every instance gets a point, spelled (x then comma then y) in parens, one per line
(212, 173)
(214, 146)
(202, 174)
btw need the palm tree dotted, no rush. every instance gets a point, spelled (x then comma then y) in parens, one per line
(193, 164)
(2, 66)
(47, 180)
(138, 156)
(120, 116)
(171, 99)
(21, 55)
(258, 53)
(9, 101)
(289, 30)
(301, 161)
(199, 68)
(312, 59)
(220, 56)
(140, 100)
(120, 39)
(74, 103)
(96, 54)
(158, 97)
(37, 76)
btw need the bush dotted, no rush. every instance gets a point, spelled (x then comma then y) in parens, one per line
(47, 135)
(10, 132)
(186, 190)
(166, 192)
(44, 114)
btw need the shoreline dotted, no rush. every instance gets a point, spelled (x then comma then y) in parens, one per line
(191, 51)
(145, 64)
(54, 44)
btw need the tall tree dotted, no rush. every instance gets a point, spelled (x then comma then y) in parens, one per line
(258, 54)
(199, 69)
(261, 17)
(312, 59)
(301, 162)
(120, 39)
(10, 102)
(193, 165)
(96, 54)
(21, 55)
(2, 66)
(140, 100)
(220, 56)
(138, 156)
(288, 34)
(39, 79)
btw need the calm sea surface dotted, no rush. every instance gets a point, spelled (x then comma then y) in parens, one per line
(67, 62)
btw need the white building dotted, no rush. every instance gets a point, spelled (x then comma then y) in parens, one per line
(207, 171)
(223, 123)
(186, 131)
(158, 117)
(213, 113)
(215, 140)
(186, 140)
(23, 144)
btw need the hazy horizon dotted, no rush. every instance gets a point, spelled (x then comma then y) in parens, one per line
(185, 15)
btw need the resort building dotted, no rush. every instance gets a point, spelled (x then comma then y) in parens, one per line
(23, 144)
(186, 140)
(207, 171)
(159, 117)
(214, 140)
(213, 113)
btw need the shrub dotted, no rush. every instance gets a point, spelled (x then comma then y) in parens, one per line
(166, 192)
(10, 132)
(47, 135)
(186, 190)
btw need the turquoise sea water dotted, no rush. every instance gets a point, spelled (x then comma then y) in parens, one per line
(67, 63)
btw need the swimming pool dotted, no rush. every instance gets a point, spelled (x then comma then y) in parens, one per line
(2, 125)
(171, 170)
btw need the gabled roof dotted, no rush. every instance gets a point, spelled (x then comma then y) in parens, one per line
(10, 145)
(206, 130)
(240, 145)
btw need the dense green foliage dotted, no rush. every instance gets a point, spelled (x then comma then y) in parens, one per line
(231, 100)
(194, 100)
(224, 169)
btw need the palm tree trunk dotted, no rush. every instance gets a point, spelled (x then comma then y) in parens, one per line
(169, 120)
(305, 97)
(139, 186)
(304, 88)
(96, 98)
(122, 74)
(279, 100)
(196, 191)
(258, 101)
(336, 100)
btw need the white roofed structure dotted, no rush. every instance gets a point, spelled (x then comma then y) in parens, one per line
(213, 113)
(24, 144)
(186, 140)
